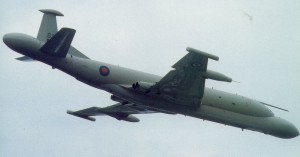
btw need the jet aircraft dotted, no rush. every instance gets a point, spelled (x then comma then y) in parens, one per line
(180, 91)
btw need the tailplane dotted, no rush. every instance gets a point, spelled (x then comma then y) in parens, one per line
(49, 25)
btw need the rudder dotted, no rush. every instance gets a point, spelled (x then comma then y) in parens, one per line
(48, 25)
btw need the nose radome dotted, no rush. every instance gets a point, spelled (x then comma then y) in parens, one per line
(287, 129)
(290, 130)
(294, 132)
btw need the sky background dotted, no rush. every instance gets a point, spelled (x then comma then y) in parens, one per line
(257, 42)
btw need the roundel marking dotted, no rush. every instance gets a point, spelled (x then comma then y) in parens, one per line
(104, 70)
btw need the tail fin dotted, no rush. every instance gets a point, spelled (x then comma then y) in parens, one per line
(48, 29)
(48, 26)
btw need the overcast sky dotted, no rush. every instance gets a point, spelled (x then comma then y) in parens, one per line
(257, 42)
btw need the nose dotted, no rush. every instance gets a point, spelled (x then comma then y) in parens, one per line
(292, 131)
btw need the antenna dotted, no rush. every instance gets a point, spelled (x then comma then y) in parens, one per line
(274, 106)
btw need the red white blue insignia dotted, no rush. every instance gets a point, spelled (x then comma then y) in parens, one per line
(104, 70)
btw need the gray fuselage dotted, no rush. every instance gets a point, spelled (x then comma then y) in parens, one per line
(217, 106)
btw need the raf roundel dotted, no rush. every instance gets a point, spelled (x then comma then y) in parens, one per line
(104, 71)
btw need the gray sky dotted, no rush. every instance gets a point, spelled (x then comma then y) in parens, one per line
(257, 42)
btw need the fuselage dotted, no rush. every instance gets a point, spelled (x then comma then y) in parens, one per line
(217, 106)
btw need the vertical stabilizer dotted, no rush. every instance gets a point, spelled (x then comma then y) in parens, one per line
(48, 26)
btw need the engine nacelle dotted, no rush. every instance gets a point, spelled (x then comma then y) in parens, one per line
(142, 86)
(216, 76)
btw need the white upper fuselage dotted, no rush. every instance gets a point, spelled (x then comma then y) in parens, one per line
(217, 106)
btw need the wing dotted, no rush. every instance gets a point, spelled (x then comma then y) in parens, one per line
(185, 84)
(119, 111)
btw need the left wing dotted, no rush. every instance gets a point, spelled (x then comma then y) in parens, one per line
(119, 111)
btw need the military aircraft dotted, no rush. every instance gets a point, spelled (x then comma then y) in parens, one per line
(180, 91)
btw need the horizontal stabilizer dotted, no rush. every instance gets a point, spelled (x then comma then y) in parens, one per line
(25, 59)
(59, 44)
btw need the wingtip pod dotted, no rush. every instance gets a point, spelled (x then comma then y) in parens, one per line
(51, 11)
(217, 76)
(211, 56)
